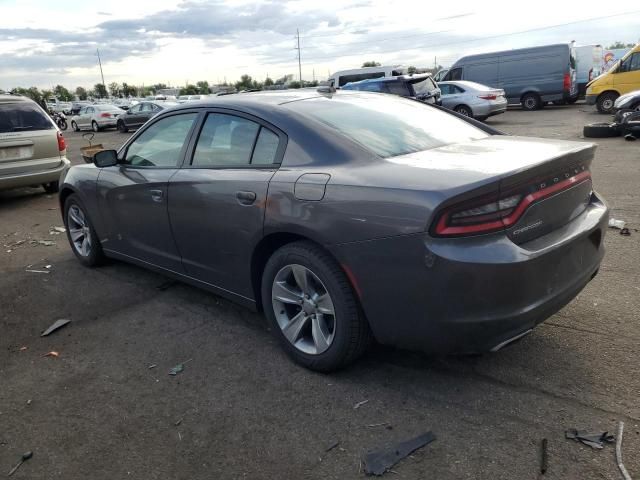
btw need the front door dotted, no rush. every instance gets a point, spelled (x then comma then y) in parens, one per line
(133, 194)
(627, 77)
(217, 202)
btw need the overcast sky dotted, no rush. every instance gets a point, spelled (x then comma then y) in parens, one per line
(44, 42)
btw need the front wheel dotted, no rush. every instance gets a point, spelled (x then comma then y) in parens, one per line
(62, 124)
(94, 126)
(312, 307)
(122, 128)
(81, 234)
(75, 126)
(605, 102)
(531, 101)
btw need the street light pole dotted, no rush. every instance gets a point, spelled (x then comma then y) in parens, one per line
(299, 62)
(100, 63)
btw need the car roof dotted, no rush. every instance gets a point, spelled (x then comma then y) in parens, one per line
(8, 98)
(253, 99)
(414, 78)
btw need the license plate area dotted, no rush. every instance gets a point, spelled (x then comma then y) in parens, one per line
(10, 154)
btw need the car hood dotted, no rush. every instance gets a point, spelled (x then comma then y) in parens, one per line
(459, 167)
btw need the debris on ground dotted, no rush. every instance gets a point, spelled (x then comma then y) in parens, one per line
(25, 456)
(55, 326)
(179, 368)
(12, 245)
(29, 402)
(373, 425)
(625, 231)
(153, 365)
(31, 270)
(593, 440)
(623, 470)
(544, 458)
(24, 348)
(45, 243)
(359, 404)
(51, 354)
(332, 446)
(57, 230)
(615, 223)
(178, 422)
(380, 461)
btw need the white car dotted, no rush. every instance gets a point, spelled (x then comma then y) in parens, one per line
(472, 99)
(96, 117)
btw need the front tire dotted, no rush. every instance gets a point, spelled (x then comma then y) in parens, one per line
(122, 128)
(62, 124)
(312, 308)
(605, 102)
(81, 234)
(95, 127)
(531, 101)
(75, 127)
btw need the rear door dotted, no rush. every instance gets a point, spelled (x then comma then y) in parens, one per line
(133, 194)
(28, 139)
(217, 202)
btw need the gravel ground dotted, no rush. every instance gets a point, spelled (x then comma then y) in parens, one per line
(241, 409)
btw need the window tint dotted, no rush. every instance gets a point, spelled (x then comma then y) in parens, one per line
(160, 144)
(22, 117)
(266, 148)
(455, 74)
(445, 89)
(369, 87)
(147, 107)
(398, 88)
(388, 125)
(225, 140)
(356, 77)
(457, 89)
(631, 64)
(136, 108)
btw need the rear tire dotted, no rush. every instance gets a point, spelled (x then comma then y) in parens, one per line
(51, 187)
(346, 327)
(531, 101)
(601, 130)
(75, 127)
(464, 110)
(605, 102)
(95, 127)
(62, 124)
(94, 256)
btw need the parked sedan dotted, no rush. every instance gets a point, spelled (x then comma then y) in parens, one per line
(473, 99)
(348, 215)
(137, 115)
(96, 117)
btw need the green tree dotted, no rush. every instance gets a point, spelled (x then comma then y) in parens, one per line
(62, 93)
(268, 82)
(411, 70)
(81, 93)
(128, 90)
(371, 64)
(33, 93)
(189, 90)
(245, 83)
(158, 86)
(203, 87)
(620, 45)
(99, 90)
(115, 89)
(294, 84)
(46, 94)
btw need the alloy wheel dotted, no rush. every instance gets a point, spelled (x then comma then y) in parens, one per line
(79, 231)
(303, 309)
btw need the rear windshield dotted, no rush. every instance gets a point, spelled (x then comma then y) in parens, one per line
(106, 108)
(22, 117)
(388, 125)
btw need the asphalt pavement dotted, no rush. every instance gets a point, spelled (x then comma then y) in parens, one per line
(107, 408)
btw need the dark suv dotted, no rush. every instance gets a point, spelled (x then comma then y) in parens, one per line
(420, 87)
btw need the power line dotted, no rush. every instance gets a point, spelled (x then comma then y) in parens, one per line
(325, 57)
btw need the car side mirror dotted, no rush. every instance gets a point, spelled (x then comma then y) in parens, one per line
(105, 158)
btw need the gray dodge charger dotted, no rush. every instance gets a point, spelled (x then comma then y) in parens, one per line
(348, 217)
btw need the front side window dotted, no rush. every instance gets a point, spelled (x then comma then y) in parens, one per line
(631, 64)
(147, 107)
(398, 88)
(136, 108)
(161, 144)
(445, 89)
(388, 125)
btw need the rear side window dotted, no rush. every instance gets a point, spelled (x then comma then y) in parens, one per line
(398, 88)
(22, 117)
(266, 148)
(388, 125)
(356, 77)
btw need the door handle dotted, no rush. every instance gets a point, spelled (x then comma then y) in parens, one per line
(156, 195)
(246, 198)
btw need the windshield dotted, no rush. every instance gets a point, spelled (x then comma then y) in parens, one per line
(388, 125)
(22, 117)
(424, 87)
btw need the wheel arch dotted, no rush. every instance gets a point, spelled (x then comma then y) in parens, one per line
(463, 105)
(65, 192)
(528, 91)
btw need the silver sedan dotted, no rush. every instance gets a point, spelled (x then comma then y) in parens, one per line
(96, 117)
(473, 99)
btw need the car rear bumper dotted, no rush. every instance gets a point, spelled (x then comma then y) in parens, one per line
(34, 178)
(472, 294)
(591, 99)
(488, 108)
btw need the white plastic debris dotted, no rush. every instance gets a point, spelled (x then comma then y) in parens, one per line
(614, 223)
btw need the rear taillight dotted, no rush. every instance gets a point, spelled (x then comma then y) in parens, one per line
(62, 145)
(492, 213)
(105, 115)
(488, 96)
(567, 82)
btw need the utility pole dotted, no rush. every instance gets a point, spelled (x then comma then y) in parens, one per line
(299, 63)
(100, 63)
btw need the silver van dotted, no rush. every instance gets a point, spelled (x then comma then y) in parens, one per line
(32, 149)
(529, 76)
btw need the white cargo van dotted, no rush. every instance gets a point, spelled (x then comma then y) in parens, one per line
(343, 77)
